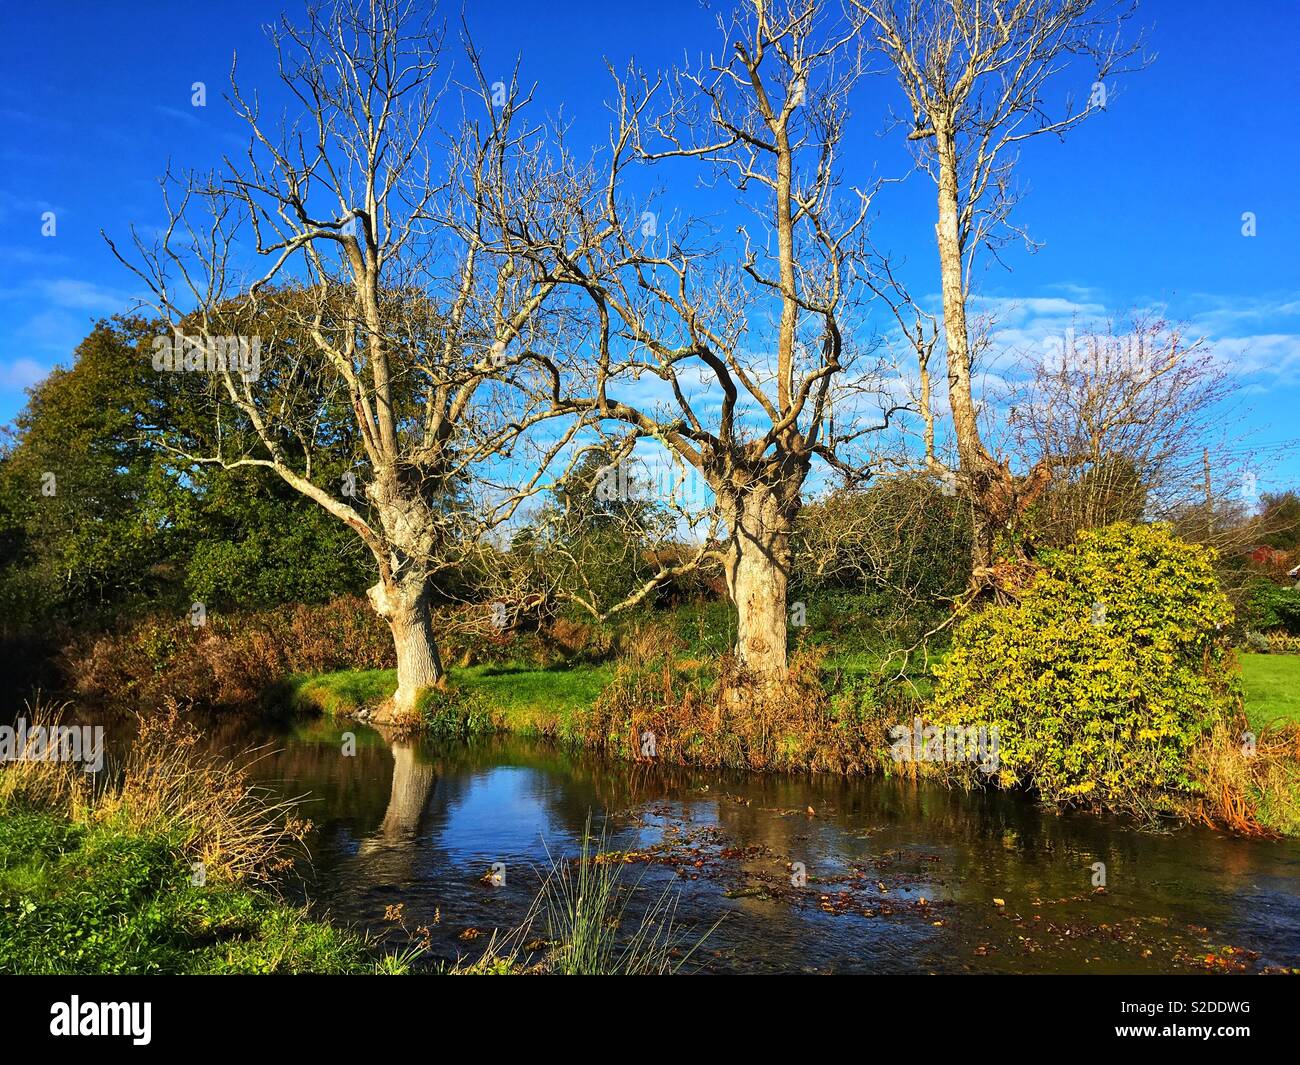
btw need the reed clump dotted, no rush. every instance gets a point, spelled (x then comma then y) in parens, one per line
(1248, 782)
(719, 717)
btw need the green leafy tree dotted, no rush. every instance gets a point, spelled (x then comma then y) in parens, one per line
(1279, 517)
(84, 504)
(597, 537)
(101, 516)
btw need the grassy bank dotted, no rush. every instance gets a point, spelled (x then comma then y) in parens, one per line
(526, 699)
(168, 870)
(532, 700)
(79, 896)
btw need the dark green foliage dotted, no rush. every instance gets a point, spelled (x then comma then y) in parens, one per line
(457, 712)
(598, 535)
(879, 566)
(130, 526)
(1270, 606)
(83, 501)
(1279, 520)
(262, 549)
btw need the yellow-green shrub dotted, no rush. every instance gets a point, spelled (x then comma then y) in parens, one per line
(1104, 674)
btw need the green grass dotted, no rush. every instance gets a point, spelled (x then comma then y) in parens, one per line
(1272, 688)
(529, 699)
(343, 692)
(536, 699)
(97, 898)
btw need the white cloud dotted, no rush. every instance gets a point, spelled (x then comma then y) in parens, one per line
(16, 374)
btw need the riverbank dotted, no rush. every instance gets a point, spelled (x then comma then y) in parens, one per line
(608, 708)
(79, 896)
(536, 701)
(175, 866)
(166, 868)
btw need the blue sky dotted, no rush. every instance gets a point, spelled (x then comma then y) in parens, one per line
(1141, 207)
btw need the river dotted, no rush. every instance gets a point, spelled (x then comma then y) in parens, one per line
(900, 876)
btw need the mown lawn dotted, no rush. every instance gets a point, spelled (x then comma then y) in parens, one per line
(1272, 688)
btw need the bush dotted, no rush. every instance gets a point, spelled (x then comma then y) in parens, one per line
(457, 713)
(1272, 607)
(1105, 674)
(233, 661)
(873, 564)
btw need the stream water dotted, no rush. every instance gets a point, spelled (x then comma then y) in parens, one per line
(900, 876)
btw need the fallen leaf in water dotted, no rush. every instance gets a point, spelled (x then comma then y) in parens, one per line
(999, 902)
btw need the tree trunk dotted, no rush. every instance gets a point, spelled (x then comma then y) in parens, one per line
(981, 476)
(419, 667)
(758, 572)
(983, 538)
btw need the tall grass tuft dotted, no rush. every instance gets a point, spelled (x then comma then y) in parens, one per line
(45, 784)
(167, 786)
(240, 831)
(589, 928)
(1252, 789)
(587, 916)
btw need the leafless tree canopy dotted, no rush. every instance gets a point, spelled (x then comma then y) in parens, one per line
(418, 302)
(1129, 417)
(731, 354)
(979, 77)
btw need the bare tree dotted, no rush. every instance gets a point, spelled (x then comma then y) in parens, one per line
(417, 308)
(1129, 417)
(979, 78)
(744, 341)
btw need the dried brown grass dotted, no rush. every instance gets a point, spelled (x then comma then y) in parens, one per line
(726, 719)
(168, 785)
(231, 662)
(1254, 792)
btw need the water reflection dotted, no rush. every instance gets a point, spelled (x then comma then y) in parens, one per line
(902, 876)
(412, 783)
